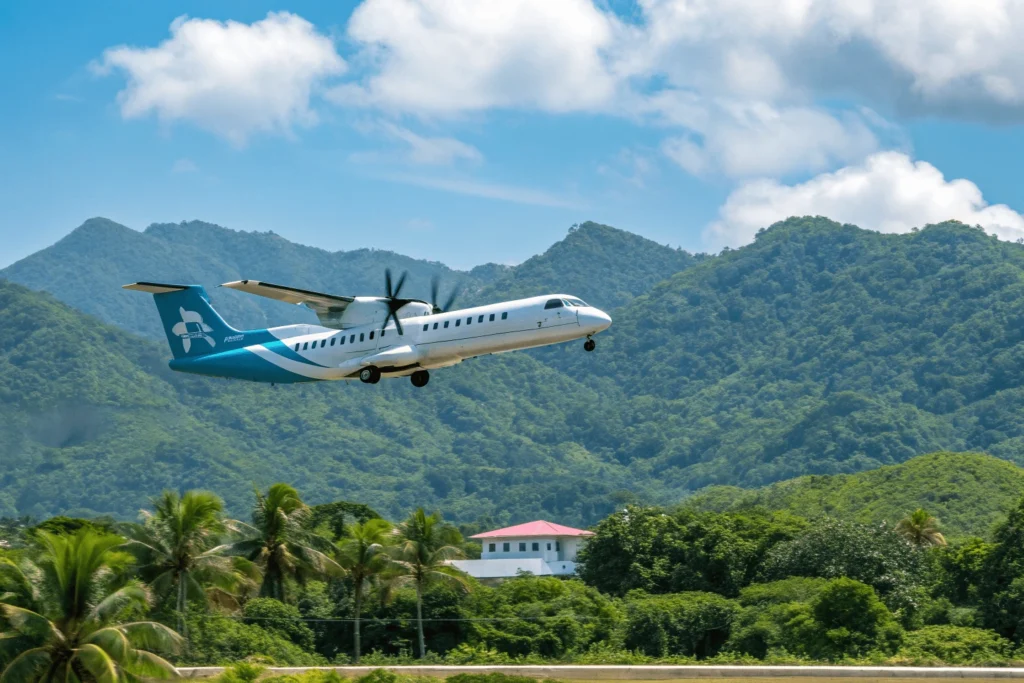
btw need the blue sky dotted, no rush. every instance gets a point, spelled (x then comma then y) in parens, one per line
(466, 131)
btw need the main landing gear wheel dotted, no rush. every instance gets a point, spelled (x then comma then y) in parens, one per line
(589, 345)
(370, 375)
(420, 378)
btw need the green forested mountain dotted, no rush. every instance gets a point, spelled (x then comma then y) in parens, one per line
(818, 349)
(967, 492)
(87, 268)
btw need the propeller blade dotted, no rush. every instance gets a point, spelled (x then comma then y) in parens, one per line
(387, 282)
(398, 326)
(435, 284)
(398, 287)
(451, 299)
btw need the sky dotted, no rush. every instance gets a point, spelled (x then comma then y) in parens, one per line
(474, 131)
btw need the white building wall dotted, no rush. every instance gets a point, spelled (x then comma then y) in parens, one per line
(553, 549)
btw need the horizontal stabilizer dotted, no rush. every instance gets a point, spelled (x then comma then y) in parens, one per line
(154, 287)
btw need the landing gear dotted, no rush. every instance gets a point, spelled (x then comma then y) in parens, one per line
(589, 345)
(370, 375)
(420, 378)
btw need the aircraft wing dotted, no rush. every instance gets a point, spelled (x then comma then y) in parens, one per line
(328, 307)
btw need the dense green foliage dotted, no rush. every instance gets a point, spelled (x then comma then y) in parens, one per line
(740, 586)
(967, 492)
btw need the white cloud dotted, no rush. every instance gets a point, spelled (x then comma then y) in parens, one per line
(476, 188)
(889, 192)
(755, 138)
(432, 151)
(231, 78)
(453, 56)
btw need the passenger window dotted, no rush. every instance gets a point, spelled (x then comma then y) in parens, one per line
(469, 320)
(490, 547)
(426, 326)
(458, 322)
(504, 547)
(333, 339)
(553, 303)
(480, 319)
(352, 339)
(361, 336)
(296, 347)
(305, 346)
(381, 334)
(323, 343)
(371, 334)
(536, 546)
(342, 342)
(446, 324)
(504, 316)
(522, 547)
(491, 318)
(435, 326)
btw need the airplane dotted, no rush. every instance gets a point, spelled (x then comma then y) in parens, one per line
(364, 337)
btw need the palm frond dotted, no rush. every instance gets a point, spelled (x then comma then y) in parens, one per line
(27, 667)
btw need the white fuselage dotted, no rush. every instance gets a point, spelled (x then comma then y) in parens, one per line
(433, 340)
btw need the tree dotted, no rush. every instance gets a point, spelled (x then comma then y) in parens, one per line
(281, 545)
(66, 619)
(421, 555)
(921, 529)
(362, 553)
(177, 550)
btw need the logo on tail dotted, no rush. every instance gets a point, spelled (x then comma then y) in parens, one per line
(192, 327)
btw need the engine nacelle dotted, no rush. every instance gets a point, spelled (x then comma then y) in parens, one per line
(366, 310)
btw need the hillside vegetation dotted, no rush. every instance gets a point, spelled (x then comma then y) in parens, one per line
(967, 492)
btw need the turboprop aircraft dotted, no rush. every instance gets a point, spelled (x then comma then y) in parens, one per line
(364, 337)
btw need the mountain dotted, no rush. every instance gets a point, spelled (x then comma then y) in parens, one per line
(93, 422)
(602, 265)
(967, 492)
(87, 268)
(818, 349)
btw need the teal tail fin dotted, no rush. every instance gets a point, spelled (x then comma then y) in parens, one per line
(193, 328)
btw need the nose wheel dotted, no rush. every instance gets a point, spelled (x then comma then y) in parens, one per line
(419, 378)
(370, 375)
(589, 345)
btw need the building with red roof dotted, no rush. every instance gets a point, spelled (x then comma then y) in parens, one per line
(541, 548)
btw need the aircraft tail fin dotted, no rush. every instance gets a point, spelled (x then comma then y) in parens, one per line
(192, 326)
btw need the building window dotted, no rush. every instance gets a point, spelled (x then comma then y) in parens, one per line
(480, 319)
(446, 324)
(426, 326)
(490, 547)
(504, 316)
(305, 346)
(522, 547)
(491, 319)
(553, 303)
(558, 545)
(504, 547)
(549, 546)
(535, 546)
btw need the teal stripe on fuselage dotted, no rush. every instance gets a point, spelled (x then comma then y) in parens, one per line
(238, 364)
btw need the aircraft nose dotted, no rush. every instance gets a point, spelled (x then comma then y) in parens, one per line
(596, 320)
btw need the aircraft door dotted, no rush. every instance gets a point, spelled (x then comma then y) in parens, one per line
(556, 313)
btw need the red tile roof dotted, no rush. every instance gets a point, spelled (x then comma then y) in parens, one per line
(538, 528)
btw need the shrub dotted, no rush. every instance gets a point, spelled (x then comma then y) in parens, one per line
(690, 624)
(956, 645)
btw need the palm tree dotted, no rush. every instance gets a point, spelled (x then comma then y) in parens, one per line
(921, 529)
(177, 550)
(281, 545)
(361, 552)
(421, 556)
(63, 617)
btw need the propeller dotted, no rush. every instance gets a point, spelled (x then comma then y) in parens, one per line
(434, 286)
(394, 303)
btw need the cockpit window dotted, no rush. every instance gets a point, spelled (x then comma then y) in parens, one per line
(575, 302)
(553, 303)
